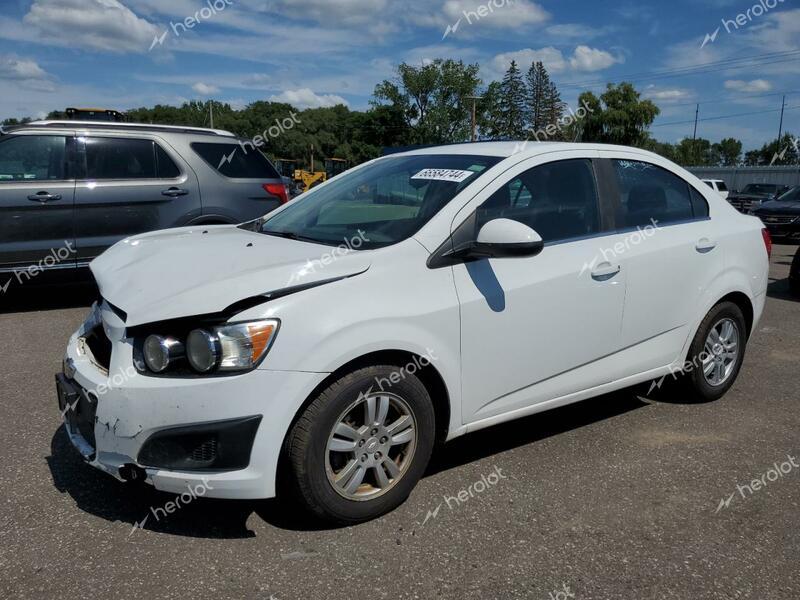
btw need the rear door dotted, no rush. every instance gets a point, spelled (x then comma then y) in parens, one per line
(130, 184)
(36, 202)
(675, 256)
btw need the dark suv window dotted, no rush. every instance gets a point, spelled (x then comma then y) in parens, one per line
(558, 200)
(33, 158)
(232, 160)
(127, 158)
(651, 195)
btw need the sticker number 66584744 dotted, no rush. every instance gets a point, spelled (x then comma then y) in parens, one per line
(455, 175)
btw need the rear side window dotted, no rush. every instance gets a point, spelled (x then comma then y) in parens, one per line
(650, 195)
(233, 160)
(558, 200)
(120, 158)
(721, 186)
(127, 158)
(33, 158)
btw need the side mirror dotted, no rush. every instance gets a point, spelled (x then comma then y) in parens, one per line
(506, 238)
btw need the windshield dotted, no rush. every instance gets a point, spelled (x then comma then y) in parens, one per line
(760, 188)
(793, 195)
(382, 204)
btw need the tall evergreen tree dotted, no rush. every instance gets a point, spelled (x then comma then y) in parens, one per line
(538, 81)
(511, 104)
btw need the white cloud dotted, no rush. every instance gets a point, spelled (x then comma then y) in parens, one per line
(583, 58)
(500, 13)
(205, 89)
(756, 85)
(306, 98)
(666, 95)
(342, 12)
(25, 73)
(104, 25)
(577, 31)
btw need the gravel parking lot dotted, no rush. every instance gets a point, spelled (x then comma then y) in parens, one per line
(616, 497)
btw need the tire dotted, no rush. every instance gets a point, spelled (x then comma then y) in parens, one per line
(701, 386)
(332, 443)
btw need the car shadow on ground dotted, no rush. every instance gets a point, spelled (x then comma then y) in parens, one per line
(779, 289)
(47, 297)
(143, 507)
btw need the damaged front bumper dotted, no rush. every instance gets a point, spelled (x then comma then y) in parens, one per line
(175, 432)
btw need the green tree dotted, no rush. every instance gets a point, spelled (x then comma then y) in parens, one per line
(432, 99)
(729, 152)
(538, 81)
(619, 116)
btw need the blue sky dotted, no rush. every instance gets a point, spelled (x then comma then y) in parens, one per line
(113, 53)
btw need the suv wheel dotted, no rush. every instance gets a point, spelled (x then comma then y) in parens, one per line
(717, 352)
(356, 453)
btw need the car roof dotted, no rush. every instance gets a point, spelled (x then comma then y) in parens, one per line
(521, 149)
(117, 126)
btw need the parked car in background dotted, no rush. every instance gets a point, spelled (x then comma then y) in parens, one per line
(86, 185)
(718, 186)
(754, 194)
(782, 216)
(322, 351)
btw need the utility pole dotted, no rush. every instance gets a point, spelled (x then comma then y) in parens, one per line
(474, 113)
(780, 127)
(211, 112)
(694, 135)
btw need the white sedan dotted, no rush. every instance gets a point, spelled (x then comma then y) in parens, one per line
(322, 351)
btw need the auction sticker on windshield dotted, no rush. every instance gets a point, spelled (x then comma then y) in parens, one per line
(455, 175)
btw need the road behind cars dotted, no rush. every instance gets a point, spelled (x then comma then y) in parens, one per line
(616, 497)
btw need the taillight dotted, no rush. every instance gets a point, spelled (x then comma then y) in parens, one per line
(277, 189)
(767, 241)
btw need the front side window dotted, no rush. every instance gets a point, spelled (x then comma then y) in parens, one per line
(33, 158)
(120, 158)
(650, 195)
(383, 203)
(558, 200)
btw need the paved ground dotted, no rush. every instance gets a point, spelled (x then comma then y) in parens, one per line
(612, 498)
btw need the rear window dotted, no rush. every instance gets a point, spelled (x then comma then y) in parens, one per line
(721, 186)
(235, 161)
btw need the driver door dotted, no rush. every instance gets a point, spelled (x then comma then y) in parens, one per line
(539, 328)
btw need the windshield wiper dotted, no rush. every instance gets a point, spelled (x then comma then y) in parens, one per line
(290, 235)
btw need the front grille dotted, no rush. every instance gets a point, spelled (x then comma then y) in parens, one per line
(743, 206)
(100, 346)
(205, 452)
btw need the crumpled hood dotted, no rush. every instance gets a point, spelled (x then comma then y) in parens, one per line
(205, 269)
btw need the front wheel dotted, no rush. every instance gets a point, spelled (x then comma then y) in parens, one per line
(362, 445)
(717, 352)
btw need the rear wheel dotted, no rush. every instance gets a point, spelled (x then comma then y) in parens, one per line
(356, 452)
(717, 352)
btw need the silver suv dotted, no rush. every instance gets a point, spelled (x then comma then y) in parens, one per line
(71, 189)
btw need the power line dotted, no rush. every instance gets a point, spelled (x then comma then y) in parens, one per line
(720, 117)
(732, 63)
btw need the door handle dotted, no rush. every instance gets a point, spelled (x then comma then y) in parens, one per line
(705, 245)
(44, 197)
(605, 271)
(174, 192)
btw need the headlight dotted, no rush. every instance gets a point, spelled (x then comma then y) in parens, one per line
(215, 349)
(160, 352)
